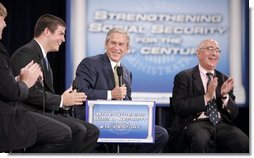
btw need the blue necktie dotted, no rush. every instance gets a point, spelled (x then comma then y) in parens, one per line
(47, 63)
(212, 110)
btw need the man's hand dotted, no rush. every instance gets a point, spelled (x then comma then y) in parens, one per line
(119, 93)
(227, 86)
(30, 74)
(211, 89)
(71, 98)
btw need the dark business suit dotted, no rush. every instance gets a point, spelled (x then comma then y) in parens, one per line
(188, 103)
(84, 135)
(20, 129)
(95, 77)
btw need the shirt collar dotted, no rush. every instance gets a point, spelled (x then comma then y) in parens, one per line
(113, 64)
(42, 49)
(203, 71)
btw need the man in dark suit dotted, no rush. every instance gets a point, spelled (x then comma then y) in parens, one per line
(48, 36)
(192, 98)
(21, 129)
(95, 77)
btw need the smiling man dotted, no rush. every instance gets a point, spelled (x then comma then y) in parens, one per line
(205, 107)
(49, 34)
(95, 77)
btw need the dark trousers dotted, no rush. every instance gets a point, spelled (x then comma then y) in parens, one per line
(84, 134)
(52, 136)
(161, 139)
(201, 134)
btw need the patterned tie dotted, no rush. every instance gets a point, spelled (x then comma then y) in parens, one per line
(212, 110)
(116, 76)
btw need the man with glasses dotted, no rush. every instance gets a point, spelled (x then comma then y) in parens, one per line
(211, 49)
(205, 107)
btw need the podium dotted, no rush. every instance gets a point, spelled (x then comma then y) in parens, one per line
(122, 121)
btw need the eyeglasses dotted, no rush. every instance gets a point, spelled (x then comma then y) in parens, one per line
(211, 49)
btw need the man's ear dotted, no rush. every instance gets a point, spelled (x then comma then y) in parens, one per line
(198, 53)
(46, 32)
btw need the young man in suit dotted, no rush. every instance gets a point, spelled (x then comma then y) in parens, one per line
(193, 95)
(21, 129)
(49, 34)
(95, 77)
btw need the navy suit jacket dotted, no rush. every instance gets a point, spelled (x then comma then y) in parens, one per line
(188, 97)
(20, 58)
(95, 77)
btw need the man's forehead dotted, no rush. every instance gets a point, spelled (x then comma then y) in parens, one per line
(60, 29)
(211, 43)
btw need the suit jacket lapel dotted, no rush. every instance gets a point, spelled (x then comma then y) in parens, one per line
(220, 82)
(198, 82)
(48, 78)
(108, 71)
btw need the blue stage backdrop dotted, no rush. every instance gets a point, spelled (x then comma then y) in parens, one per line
(164, 36)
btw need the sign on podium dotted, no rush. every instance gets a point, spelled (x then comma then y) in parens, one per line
(122, 121)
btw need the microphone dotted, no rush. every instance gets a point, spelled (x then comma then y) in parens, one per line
(41, 81)
(43, 94)
(119, 71)
(75, 85)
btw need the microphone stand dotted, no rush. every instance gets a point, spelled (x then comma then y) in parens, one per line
(74, 87)
(43, 96)
(119, 70)
(44, 63)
